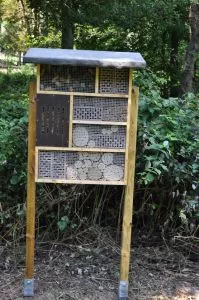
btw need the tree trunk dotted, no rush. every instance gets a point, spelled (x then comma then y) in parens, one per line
(192, 50)
(24, 9)
(67, 28)
(174, 64)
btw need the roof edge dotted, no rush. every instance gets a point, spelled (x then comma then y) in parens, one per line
(85, 58)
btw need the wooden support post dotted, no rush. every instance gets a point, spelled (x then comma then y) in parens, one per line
(70, 138)
(128, 201)
(28, 289)
(97, 80)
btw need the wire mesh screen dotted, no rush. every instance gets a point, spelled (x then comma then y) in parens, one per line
(102, 109)
(67, 78)
(81, 166)
(99, 136)
(114, 81)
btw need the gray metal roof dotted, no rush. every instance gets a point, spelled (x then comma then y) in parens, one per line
(84, 58)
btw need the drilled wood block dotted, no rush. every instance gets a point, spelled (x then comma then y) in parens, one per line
(52, 120)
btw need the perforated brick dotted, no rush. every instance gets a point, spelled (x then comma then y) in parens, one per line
(99, 108)
(99, 136)
(114, 81)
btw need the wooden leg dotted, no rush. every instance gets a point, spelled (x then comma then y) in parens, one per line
(128, 201)
(28, 289)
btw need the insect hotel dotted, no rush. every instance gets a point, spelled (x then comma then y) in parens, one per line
(82, 130)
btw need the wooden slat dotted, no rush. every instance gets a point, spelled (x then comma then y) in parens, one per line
(128, 120)
(75, 149)
(97, 81)
(36, 163)
(129, 190)
(80, 181)
(99, 122)
(30, 211)
(70, 140)
(38, 78)
(124, 96)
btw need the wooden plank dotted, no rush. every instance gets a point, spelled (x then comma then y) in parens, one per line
(70, 140)
(124, 96)
(52, 120)
(38, 78)
(99, 122)
(36, 163)
(129, 190)
(47, 180)
(97, 81)
(75, 149)
(128, 120)
(30, 211)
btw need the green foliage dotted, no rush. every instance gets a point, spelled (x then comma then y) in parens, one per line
(167, 169)
(52, 39)
(168, 148)
(157, 29)
(63, 223)
(108, 37)
(13, 136)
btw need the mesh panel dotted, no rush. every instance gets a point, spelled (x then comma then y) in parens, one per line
(99, 136)
(114, 81)
(109, 109)
(67, 78)
(81, 166)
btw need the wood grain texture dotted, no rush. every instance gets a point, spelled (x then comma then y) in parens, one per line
(128, 121)
(97, 81)
(89, 122)
(70, 140)
(81, 181)
(38, 78)
(76, 149)
(124, 96)
(36, 163)
(129, 189)
(30, 212)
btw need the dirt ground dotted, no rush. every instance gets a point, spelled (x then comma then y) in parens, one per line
(88, 272)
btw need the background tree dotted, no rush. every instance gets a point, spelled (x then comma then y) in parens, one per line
(65, 14)
(157, 29)
(167, 164)
(192, 51)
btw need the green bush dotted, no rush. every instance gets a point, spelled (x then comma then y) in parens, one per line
(167, 165)
(167, 155)
(13, 135)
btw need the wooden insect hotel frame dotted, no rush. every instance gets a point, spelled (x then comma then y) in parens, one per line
(82, 130)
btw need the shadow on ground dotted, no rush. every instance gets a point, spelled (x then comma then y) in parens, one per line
(69, 272)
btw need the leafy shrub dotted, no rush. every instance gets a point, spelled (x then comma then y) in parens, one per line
(167, 154)
(13, 135)
(167, 166)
